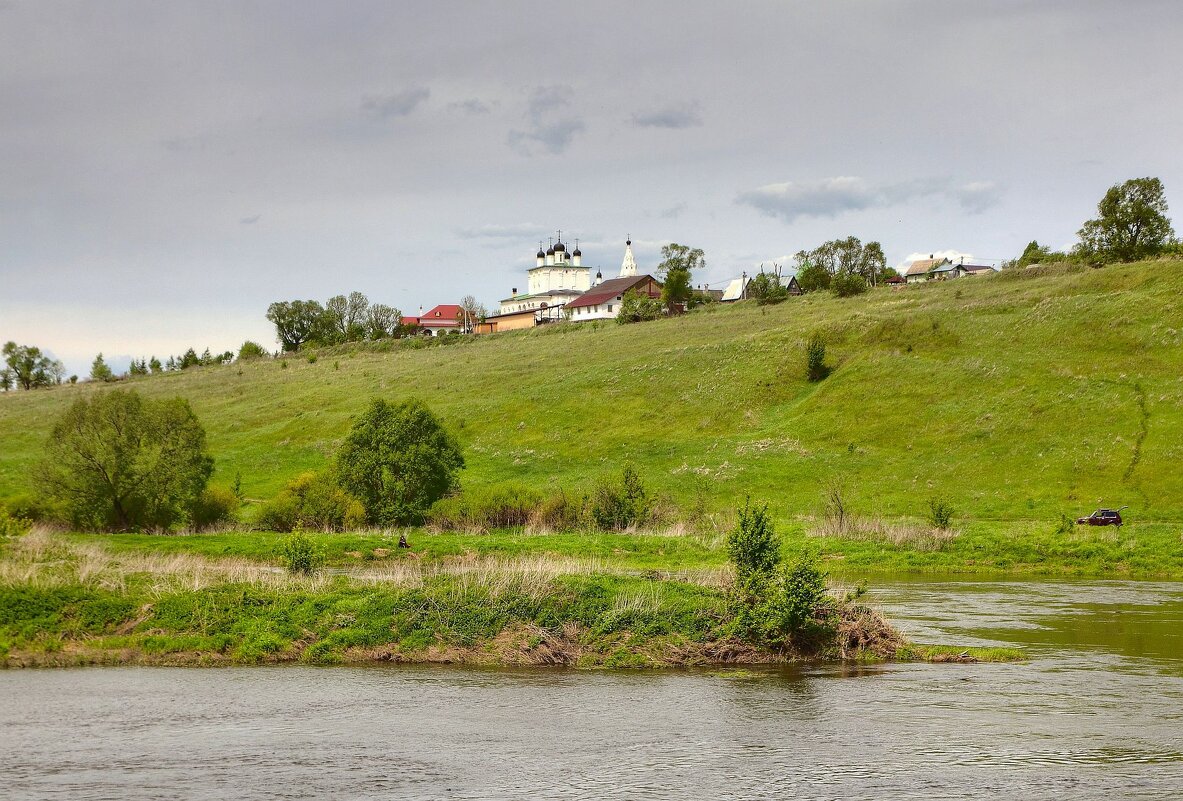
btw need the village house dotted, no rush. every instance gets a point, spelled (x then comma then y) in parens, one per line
(443, 319)
(934, 269)
(920, 270)
(738, 289)
(602, 301)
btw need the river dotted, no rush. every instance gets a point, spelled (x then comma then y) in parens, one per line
(1095, 713)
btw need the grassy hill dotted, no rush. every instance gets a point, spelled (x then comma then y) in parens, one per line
(1017, 396)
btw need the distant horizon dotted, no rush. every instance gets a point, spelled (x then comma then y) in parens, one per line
(170, 171)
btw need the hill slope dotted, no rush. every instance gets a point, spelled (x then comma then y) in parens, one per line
(1016, 396)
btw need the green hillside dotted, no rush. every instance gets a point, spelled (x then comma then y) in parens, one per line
(1016, 396)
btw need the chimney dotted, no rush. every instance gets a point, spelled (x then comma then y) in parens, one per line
(515, 290)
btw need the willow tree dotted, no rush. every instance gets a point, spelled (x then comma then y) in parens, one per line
(118, 461)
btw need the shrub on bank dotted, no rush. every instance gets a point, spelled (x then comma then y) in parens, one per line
(501, 506)
(775, 603)
(301, 555)
(312, 501)
(615, 506)
(217, 505)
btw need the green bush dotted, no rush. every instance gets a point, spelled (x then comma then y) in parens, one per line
(638, 308)
(752, 546)
(398, 459)
(313, 501)
(771, 602)
(301, 555)
(501, 506)
(799, 607)
(940, 513)
(11, 525)
(847, 285)
(766, 289)
(215, 506)
(813, 277)
(815, 359)
(251, 350)
(617, 506)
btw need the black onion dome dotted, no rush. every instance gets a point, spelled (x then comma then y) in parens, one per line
(540, 253)
(550, 251)
(560, 247)
(577, 252)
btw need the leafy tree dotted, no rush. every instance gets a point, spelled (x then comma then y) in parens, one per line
(251, 350)
(845, 285)
(383, 321)
(99, 371)
(1131, 222)
(116, 460)
(1035, 253)
(813, 277)
(398, 459)
(27, 366)
(766, 289)
(7, 379)
(677, 268)
(344, 319)
(137, 368)
(154, 365)
(636, 307)
(850, 256)
(295, 321)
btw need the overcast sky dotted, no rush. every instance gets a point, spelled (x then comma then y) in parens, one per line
(168, 169)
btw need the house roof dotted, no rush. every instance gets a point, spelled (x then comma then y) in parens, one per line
(922, 266)
(519, 313)
(444, 315)
(608, 290)
(734, 290)
(895, 279)
(977, 268)
(410, 321)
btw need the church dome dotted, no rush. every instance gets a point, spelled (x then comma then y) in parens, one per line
(577, 252)
(541, 254)
(560, 247)
(550, 251)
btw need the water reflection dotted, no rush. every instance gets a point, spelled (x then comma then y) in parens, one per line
(1095, 713)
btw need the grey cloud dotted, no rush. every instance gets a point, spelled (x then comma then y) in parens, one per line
(979, 196)
(673, 212)
(399, 104)
(471, 106)
(831, 197)
(685, 115)
(551, 129)
(250, 220)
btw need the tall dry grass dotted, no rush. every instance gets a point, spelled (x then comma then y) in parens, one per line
(901, 533)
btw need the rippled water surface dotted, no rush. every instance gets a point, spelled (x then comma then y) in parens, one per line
(1097, 712)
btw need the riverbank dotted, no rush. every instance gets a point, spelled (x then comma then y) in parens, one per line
(863, 549)
(66, 602)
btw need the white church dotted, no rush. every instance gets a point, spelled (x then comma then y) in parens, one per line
(559, 287)
(556, 278)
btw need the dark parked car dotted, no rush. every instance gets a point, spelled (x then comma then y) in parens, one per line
(1101, 517)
